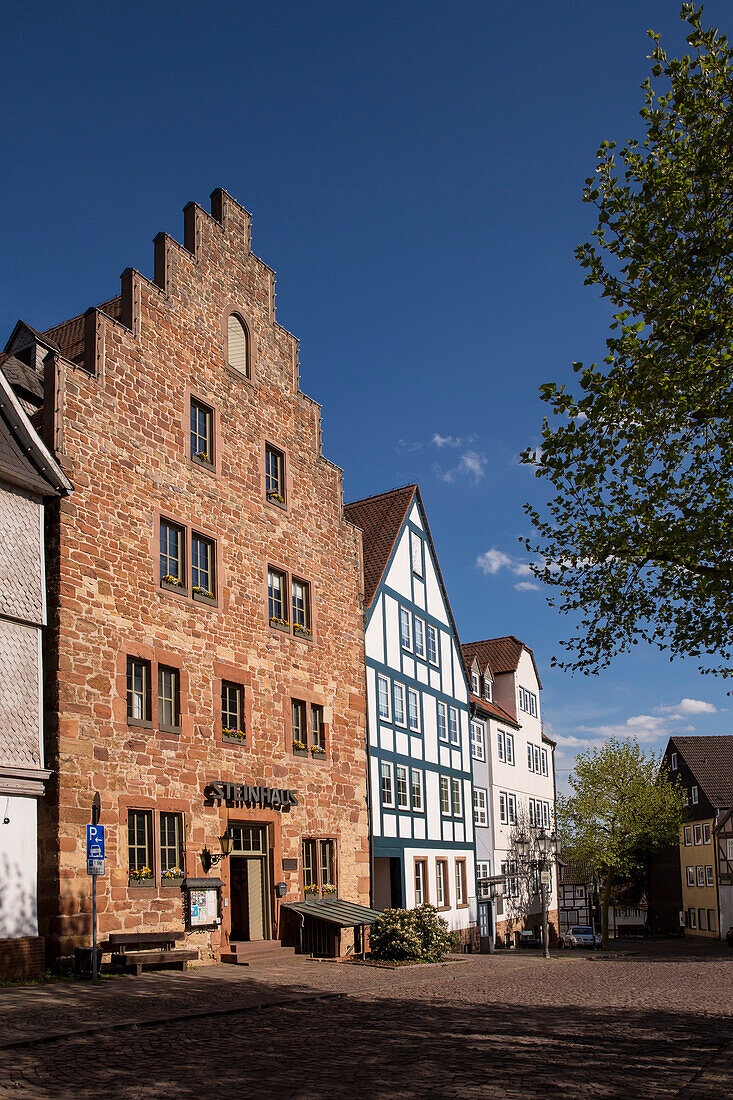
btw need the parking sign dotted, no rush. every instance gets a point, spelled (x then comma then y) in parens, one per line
(95, 849)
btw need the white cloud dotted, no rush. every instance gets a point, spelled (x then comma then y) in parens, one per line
(526, 586)
(406, 445)
(471, 465)
(447, 440)
(687, 708)
(494, 559)
(644, 727)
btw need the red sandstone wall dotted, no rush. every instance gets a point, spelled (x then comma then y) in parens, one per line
(123, 441)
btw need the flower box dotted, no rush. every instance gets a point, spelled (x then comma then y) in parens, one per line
(172, 585)
(236, 736)
(204, 597)
(140, 879)
(275, 498)
(202, 459)
(302, 631)
(280, 624)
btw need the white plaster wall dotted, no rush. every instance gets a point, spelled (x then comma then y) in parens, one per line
(18, 867)
(456, 918)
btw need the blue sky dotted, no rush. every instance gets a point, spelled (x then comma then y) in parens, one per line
(415, 172)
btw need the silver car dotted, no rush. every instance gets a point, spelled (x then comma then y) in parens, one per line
(580, 935)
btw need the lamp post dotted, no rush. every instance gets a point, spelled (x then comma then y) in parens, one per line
(494, 894)
(537, 853)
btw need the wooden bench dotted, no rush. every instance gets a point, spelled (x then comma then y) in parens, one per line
(134, 950)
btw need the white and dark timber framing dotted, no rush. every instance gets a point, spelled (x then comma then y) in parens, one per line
(418, 717)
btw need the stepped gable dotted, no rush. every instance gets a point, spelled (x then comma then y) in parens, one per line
(69, 335)
(380, 519)
(710, 759)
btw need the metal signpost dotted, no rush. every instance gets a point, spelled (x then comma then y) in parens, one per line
(95, 866)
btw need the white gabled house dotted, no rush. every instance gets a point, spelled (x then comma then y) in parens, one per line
(418, 716)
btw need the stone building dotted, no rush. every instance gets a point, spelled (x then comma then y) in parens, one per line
(206, 609)
(28, 476)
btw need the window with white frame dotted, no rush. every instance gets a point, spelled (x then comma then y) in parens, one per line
(543, 755)
(441, 868)
(385, 772)
(673, 761)
(474, 683)
(413, 710)
(511, 803)
(421, 881)
(503, 812)
(697, 833)
(693, 795)
(432, 645)
(706, 832)
(442, 721)
(509, 748)
(483, 871)
(399, 704)
(687, 834)
(729, 849)
(457, 799)
(416, 553)
(700, 875)
(487, 688)
(511, 879)
(709, 880)
(528, 702)
(453, 725)
(419, 637)
(692, 918)
(480, 807)
(417, 790)
(383, 697)
(403, 794)
(405, 629)
(444, 796)
(478, 740)
(460, 882)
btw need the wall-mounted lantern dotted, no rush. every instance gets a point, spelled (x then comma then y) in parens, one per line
(208, 860)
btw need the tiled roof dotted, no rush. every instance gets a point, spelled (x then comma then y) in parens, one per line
(69, 335)
(500, 654)
(710, 759)
(494, 710)
(24, 460)
(380, 519)
(22, 377)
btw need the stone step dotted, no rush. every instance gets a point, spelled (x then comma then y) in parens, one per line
(256, 947)
(284, 956)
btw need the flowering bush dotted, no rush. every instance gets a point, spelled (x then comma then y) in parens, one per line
(419, 934)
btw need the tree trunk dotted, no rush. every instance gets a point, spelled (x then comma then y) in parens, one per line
(605, 903)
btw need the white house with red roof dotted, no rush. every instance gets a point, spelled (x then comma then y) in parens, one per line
(513, 779)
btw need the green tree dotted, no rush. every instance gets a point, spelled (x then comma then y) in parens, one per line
(637, 538)
(622, 807)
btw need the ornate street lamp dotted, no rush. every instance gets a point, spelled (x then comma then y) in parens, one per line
(539, 853)
(495, 892)
(225, 841)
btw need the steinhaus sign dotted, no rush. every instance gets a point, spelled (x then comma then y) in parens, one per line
(242, 794)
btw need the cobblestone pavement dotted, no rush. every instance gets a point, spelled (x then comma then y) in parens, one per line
(646, 1023)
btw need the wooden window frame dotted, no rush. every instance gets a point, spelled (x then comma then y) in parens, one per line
(182, 576)
(421, 651)
(207, 456)
(241, 727)
(405, 618)
(278, 496)
(697, 834)
(687, 835)
(445, 804)
(210, 544)
(481, 742)
(690, 875)
(430, 629)
(444, 715)
(288, 626)
(148, 815)
(171, 880)
(176, 700)
(301, 629)
(441, 869)
(398, 689)
(417, 540)
(709, 875)
(462, 879)
(454, 724)
(184, 592)
(317, 841)
(456, 785)
(248, 373)
(130, 661)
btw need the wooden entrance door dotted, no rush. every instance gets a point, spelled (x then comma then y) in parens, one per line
(249, 884)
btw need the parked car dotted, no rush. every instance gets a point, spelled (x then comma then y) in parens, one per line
(580, 935)
(729, 937)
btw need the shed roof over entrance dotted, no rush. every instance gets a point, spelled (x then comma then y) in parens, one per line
(345, 914)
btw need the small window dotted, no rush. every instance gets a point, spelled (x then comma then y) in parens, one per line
(530, 758)
(703, 919)
(478, 741)
(500, 744)
(274, 475)
(419, 637)
(399, 705)
(543, 754)
(403, 794)
(232, 711)
(453, 725)
(480, 815)
(318, 733)
(537, 764)
(277, 603)
(487, 689)
(509, 747)
(460, 882)
(301, 608)
(202, 432)
(444, 796)
(171, 846)
(421, 881)
(700, 876)
(709, 880)
(712, 923)
(673, 761)
(413, 710)
(383, 697)
(417, 796)
(172, 562)
(432, 645)
(474, 683)
(405, 635)
(237, 345)
(687, 833)
(697, 833)
(138, 690)
(706, 833)
(169, 712)
(692, 918)
(385, 771)
(729, 849)
(140, 845)
(693, 795)
(442, 722)
(441, 866)
(483, 871)
(457, 799)
(416, 553)
(319, 866)
(512, 808)
(503, 811)
(298, 724)
(203, 557)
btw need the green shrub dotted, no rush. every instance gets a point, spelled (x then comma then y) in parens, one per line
(419, 934)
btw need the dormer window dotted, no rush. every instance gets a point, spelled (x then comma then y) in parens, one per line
(474, 683)
(487, 689)
(237, 344)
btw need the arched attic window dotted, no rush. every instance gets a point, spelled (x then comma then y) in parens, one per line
(237, 344)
